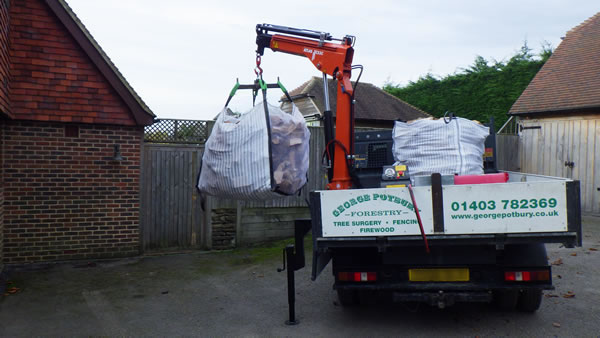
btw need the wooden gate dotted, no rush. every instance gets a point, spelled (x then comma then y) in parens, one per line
(507, 152)
(171, 215)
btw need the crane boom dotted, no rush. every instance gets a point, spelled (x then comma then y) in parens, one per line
(334, 59)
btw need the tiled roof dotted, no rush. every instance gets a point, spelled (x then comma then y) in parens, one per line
(140, 111)
(372, 103)
(570, 79)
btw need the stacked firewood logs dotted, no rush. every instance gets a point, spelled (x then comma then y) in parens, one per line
(288, 142)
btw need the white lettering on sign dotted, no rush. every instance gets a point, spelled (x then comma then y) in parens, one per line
(313, 52)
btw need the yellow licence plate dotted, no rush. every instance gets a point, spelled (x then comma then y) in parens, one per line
(439, 275)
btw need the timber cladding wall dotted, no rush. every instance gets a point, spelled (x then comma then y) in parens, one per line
(565, 146)
(65, 198)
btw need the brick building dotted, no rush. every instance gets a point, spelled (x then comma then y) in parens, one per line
(71, 131)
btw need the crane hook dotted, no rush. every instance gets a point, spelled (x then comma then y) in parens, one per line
(258, 71)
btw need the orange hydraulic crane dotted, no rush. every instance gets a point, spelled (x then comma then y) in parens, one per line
(333, 59)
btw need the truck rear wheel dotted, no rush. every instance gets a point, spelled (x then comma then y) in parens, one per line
(506, 300)
(530, 300)
(347, 297)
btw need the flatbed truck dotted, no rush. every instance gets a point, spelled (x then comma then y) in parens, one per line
(431, 240)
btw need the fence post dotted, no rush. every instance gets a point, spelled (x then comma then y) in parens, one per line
(238, 224)
(208, 222)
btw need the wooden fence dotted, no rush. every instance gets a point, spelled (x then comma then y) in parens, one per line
(507, 152)
(171, 207)
(507, 146)
(171, 215)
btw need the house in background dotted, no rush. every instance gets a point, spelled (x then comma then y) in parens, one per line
(71, 131)
(559, 114)
(374, 107)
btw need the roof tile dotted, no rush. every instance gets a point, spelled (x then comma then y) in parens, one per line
(570, 79)
(372, 103)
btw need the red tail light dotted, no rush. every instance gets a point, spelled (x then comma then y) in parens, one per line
(345, 276)
(527, 276)
(357, 276)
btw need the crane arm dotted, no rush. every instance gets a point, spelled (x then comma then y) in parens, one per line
(334, 59)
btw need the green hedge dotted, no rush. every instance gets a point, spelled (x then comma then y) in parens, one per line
(483, 90)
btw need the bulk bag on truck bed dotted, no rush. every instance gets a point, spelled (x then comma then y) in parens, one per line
(256, 155)
(445, 146)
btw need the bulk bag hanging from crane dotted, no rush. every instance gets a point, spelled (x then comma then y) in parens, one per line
(257, 155)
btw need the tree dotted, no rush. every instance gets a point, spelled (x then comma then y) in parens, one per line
(483, 90)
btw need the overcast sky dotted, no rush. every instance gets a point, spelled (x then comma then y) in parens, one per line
(183, 56)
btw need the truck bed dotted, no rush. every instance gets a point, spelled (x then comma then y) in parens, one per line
(527, 209)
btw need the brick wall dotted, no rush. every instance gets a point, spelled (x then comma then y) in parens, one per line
(4, 103)
(4, 57)
(64, 196)
(52, 79)
(1, 198)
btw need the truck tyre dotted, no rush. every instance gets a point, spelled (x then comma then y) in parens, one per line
(347, 297)
(506, 300)
(530, 300)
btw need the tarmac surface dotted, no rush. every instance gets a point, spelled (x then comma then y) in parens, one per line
(239, 293)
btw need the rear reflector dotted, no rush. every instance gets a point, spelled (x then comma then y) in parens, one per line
(526, 276)
(357, 276)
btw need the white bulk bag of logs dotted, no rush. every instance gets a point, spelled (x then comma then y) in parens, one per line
(250, 157)
(445, 146)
